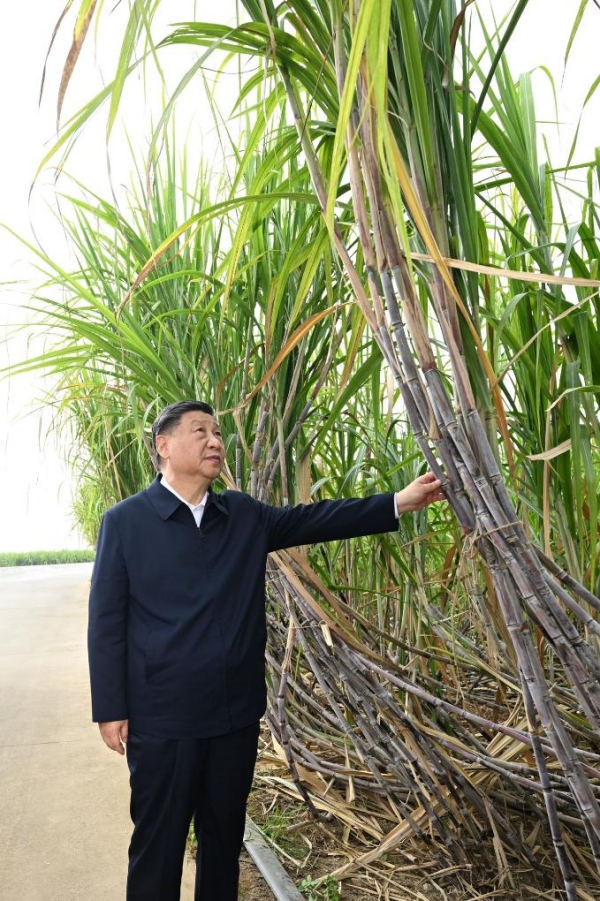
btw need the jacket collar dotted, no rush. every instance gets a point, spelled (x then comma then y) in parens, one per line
(165, 503)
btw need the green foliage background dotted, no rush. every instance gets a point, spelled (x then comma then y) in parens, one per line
(388, 171)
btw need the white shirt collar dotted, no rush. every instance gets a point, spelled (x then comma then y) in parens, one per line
(192, 507)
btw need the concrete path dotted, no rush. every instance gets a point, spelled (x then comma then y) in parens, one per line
(64, 797)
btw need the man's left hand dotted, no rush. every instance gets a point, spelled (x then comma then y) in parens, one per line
(419, 493)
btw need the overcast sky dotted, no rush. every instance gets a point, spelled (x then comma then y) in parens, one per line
(34, 483)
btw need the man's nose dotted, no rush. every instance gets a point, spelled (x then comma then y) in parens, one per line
(215, 441)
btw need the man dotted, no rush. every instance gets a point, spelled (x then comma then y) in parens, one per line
(176, 644)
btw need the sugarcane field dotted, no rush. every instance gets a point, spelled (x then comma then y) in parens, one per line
(364, 233)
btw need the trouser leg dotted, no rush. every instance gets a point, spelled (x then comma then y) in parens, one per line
(164, 786)
(220, 813)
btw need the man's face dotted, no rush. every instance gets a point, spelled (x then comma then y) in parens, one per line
(194, 448)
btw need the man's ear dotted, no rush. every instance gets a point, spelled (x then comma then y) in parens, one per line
(162, 446)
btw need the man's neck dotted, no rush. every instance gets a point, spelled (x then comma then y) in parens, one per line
(191, 489)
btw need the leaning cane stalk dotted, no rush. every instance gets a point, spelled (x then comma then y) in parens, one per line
(503, 548)
(283, 730)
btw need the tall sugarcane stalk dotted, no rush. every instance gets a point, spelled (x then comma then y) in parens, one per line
(450, 432)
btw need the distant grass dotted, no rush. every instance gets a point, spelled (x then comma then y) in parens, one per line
(35, 558)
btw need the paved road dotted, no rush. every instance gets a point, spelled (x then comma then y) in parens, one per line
(64, 816)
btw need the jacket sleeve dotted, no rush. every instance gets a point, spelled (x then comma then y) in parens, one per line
(328, 520)
(107, 627)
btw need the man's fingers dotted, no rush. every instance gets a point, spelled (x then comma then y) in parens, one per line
(422, 491)
(115, 734)
(429, 488)
(114, 743)
(427, 482)
(434, 493)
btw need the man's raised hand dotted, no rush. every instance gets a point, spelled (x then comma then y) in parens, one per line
(424, 490)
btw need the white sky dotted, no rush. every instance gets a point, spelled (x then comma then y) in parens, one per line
(34, 483)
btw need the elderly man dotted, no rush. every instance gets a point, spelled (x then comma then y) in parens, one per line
(176, 644)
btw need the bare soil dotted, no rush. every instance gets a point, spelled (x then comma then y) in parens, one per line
(252, 886)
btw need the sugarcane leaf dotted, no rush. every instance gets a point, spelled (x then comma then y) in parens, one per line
(82, 24)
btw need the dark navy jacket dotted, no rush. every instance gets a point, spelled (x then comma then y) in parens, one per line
(177, 624)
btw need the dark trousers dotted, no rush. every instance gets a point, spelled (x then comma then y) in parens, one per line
(173, 781)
